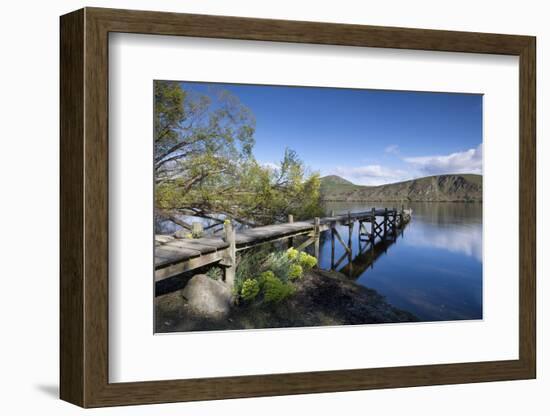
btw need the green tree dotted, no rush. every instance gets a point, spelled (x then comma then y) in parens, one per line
(276, 192)
(204, 164)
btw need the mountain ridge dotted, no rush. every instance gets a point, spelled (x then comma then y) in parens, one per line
(436, 188)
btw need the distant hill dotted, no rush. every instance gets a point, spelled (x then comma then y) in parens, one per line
(440, 188)
(331, 180)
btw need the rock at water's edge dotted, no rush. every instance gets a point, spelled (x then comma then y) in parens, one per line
(207, 297)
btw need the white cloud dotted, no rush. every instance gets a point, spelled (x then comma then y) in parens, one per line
(370, 174)
(469, 161)
(392, 149)
(464, 239)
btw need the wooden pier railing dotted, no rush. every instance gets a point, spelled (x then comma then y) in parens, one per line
(176, 255)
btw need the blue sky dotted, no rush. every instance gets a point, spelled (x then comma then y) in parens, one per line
(369, 137)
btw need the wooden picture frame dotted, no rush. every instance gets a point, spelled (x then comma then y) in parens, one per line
(84, 207)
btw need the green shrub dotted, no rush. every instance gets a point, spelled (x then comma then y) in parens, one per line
(265, 276)
(215, 273)
(295, 272)
(248, 266)
(292, 253)
(275, 290)
(279, 264)
(271, 270)
(307, 261)
(250, 289)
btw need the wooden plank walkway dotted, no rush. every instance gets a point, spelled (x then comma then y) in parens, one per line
(174, 249)
(175, 255)
(269, 233)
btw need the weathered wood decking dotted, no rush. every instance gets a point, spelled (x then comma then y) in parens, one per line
(175, 255)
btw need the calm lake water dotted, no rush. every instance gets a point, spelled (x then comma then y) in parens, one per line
(433, 269)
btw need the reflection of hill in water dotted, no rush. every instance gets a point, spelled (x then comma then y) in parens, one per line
(434, 269)
(456, 227)
(448, 212)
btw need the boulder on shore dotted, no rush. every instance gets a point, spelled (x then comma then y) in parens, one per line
(207, 297)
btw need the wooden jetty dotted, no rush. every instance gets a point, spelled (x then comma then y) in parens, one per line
(176, 255)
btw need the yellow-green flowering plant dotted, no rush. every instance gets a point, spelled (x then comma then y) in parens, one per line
(292, 253)
(275, 290)
(295, 272)
(250, 289)
(307, 261)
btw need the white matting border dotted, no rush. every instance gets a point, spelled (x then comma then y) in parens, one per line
(135, 354)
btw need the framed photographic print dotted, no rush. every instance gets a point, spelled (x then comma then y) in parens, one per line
(255, 207)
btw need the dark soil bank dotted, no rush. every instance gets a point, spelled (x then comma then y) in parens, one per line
(321, 298)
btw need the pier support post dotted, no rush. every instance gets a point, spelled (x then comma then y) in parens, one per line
(290, 240)
(394, 223)
(350, 232)
(332, 246)
(359, 232)
(231, 261)
(316, 235)
(197, 229)
(373, 227)
(385, 223)
(391, 221)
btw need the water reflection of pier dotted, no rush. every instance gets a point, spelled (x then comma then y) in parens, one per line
(367, 256)
(375, 236)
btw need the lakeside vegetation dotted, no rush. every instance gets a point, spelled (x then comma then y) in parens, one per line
(267, 276)
(205, 166)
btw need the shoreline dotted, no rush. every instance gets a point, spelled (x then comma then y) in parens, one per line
(322, 298)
